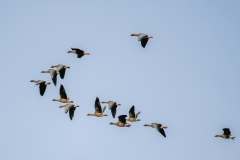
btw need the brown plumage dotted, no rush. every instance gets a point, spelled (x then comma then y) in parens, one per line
(99, 111)
(132, 115)
(63, 95)
(226, 134)
(121, 121)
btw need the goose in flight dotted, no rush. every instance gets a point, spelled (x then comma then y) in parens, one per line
(226, 134)
(63, 96)
(61, 69)
(121, 121)
(158, 127)
(99, 111)
(71, 108)
(42, 85)
(79, 52)
(113, 107)
(143, 38)
(132, 115)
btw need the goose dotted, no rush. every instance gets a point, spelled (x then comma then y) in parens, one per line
(226, 134)
(42, 85)
(113, 107)
(121, 122)
(61, 69)
(158, 127)
(79, 52)
(63, 95)
(143, 38)
(132, 116)
(99, 111)
(53, 74)
(71, 108)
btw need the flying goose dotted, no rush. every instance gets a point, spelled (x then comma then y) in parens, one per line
(79, 52)
(63, 95)
(42, 85)
(226, 134)
(121, 122)
(132, 116)
(53, 74)
(71, 108)
(143, 38)
(158, 127)
(61, 69)
(113, 106)
(99, 111)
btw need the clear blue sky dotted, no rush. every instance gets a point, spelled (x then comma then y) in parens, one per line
(186, 78)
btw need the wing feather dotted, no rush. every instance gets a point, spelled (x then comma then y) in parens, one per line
(62, 92)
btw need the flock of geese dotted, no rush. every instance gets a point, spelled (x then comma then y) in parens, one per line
(112, 105)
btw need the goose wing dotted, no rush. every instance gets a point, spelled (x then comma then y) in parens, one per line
(71, 112)
(114, 110)
(226, 131)
(98, 107)
(159, 129)
(132, 112)
(62, 92)
(137, 114)
(61, 70)
(144, 42)
(122, 118)
(103, 109)
(68, 107)
(42, 89)
(53, 74)
(79, 55)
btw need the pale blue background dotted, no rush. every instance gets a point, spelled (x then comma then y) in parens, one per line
(186, 78)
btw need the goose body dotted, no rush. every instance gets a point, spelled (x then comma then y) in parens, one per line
(121, 121)
(158, 127)
(79, 52)
(99, 111)
(63, 96)
(132, 115)
(143, 38)
(226, 134)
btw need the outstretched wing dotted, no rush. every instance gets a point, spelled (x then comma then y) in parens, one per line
(42, 89)
(62, 92)
(68, 107)
(144, 42)
(71, 112)
(159, 129)
(114, 110)
(62, 72)
(122, 118)
(76, 49)
(53, 74)
(103, 109)
(137, 114)
(79, 55)
(226, 131)
(132, 112)
(98, 107)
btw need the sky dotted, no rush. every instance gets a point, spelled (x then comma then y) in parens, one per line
(186, 78)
